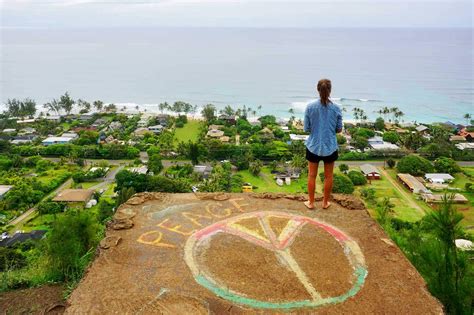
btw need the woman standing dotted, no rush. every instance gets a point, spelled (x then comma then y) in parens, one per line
(322, 119)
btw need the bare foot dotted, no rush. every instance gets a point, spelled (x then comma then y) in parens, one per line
(309, 205)
(327, 206)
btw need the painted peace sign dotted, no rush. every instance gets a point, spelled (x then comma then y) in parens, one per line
(280, 244)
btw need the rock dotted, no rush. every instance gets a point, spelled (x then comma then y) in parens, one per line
(110, 241)
(212, 196)
(349, 202)
(120, 224)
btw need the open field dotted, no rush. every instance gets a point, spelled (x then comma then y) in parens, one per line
(189, 132)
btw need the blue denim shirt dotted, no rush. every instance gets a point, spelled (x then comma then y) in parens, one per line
(322, 122)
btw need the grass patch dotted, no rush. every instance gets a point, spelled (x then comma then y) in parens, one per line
(190, 131)
(265, 182)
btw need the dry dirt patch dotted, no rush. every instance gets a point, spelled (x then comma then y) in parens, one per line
(252, 254)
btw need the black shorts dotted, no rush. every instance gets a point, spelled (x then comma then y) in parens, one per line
(310, 156)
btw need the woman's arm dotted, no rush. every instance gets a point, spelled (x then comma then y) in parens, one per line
(339, 120)
(307, 121)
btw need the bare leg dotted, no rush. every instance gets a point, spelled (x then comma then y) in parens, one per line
(312, 173)
(328, 180)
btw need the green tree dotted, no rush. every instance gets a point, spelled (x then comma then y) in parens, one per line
(467, 116)
(209, 112)
(391, 163)
(357, 178)
(414, 165)
(343, 168)
(255, 167)
(360, 142)
(66, 103)
(341, 184)
(340, 139)
(391, 136)
(123, 195)
(384, 210)
(155, 164)
(379, 124)
(98, 105)
(446, 165)
(106, 210)
(453, 284)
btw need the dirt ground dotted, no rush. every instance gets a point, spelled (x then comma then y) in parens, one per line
(248, 254)
(47, 299)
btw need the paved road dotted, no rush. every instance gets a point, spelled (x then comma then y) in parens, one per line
(31, 211)
(109, 178)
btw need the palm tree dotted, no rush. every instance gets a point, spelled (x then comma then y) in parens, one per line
(66, 102)
(53, 106)
(98, 105)
(291, 111)
(467, 116)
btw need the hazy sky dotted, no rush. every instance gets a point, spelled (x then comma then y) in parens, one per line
(247, 13)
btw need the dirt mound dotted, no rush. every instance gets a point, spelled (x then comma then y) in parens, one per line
(248, 253)
(47, 299)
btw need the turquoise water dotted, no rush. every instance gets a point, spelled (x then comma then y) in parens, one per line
(427, 73)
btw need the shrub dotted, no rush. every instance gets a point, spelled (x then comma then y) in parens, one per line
(341, 184)
(391, 137)
(414, 165)
(106, 210)
(446, 165)
(343, 168)
(357, 178)
(72, 237)
(391, 163)
(368, 193)
(379, 124)
(179, 124)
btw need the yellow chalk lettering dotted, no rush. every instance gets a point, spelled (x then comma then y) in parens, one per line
(219, 212)
(177, 228)
(238, 206)
(154, 238)
(194, 217)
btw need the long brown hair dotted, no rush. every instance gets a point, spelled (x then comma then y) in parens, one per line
(324, 89)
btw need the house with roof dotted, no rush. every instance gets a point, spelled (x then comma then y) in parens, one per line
(465, 146)
(230, 119)
(157, 129)
(438, 198)
(468, 135)
(377, 143)
(294, 137)
(203, 170)
(457, 138)
(56, 140)
(439, 178)
(141, 131)
(370, 171)
(27, 131)
(9, 130)
(421, 129)
(20, 237)
(413, 184)
(77, 197)
(143, 169)
(71, 135)
(26, 121)
(24, 139)
(4, 189)
(215, 133)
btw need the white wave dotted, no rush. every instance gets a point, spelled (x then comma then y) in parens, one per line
(300, 106)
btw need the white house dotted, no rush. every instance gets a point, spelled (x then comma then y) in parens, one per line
(56, 140)
(71, 135)
(4, 189)
(156, 129)
(377, 143)
(438, 178)
(465, 146)
(295, 137)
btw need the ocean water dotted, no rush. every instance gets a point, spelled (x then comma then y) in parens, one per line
(427, 73)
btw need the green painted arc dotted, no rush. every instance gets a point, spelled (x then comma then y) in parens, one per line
(360, 273)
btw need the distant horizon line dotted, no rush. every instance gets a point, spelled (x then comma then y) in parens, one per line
(235, 27)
